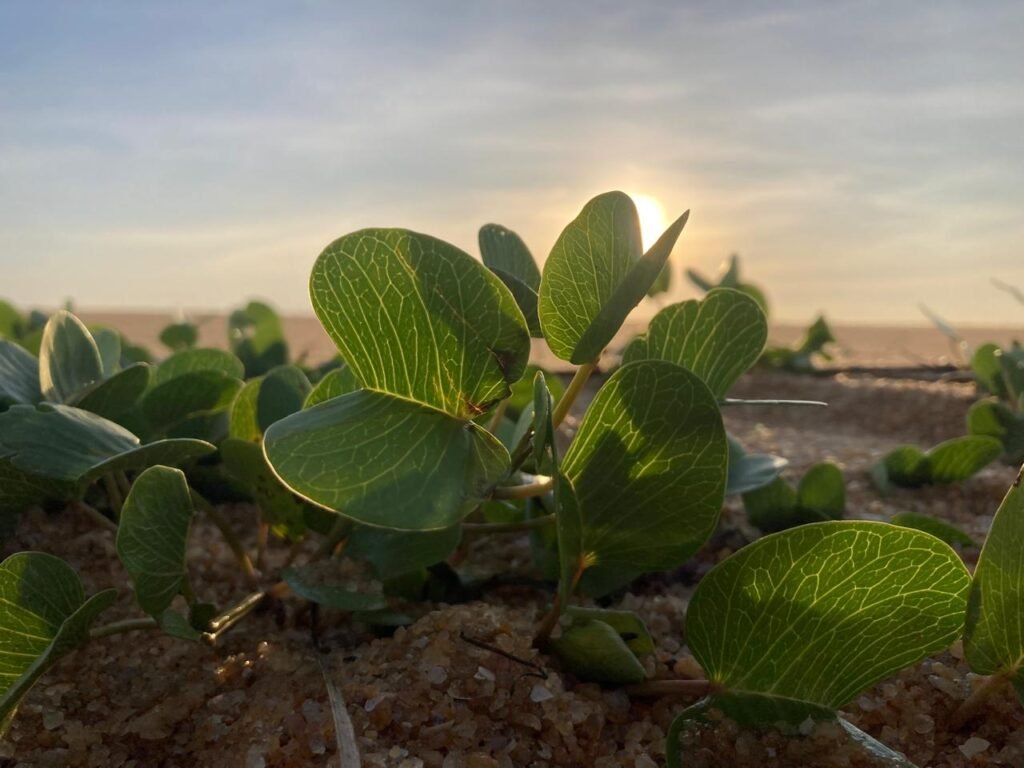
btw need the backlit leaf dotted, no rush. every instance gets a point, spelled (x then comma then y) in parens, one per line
(718, 338)
(507, 256)
(19, 376)
(595, 276)
(335, 383)
(69, 360)
(648, 466)
(812, 616)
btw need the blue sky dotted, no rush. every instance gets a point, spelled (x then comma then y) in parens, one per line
(862, 157)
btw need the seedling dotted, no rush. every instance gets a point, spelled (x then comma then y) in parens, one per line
(801, 358)
(821, 495)
(730, 278)
(952, 461)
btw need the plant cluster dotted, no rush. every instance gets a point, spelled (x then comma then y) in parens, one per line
(432, 426)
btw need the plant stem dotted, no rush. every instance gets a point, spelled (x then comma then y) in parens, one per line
(125, 625)
(970, 706)
(739, 401)
(262, 536)
(523, 525)
(525, 491)
(95, 515)
(579, 380)
(113, 494)
(671, 688)
(229, 536)
(225, 621)
(339, 531)
(499, 414)
(122, 483)
(547, 626)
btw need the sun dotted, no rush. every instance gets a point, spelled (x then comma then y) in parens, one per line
(652, 219)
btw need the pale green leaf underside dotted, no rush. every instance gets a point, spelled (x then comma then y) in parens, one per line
(594, 651)
(19, 375)
(648, 466)
(69, 360)
(152, 534)
(820, 612)
(994, 638)
(718, 337)
(386, 462)
(417, 318)
(595, 275)
(43, 615)
(750, 471)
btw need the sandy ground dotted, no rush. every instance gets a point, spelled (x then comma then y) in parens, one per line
(426, 697)
(857, 344)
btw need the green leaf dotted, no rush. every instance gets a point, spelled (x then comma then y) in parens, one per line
(905, 466)
(630, 627)
(594, 651)
(257, 337)
(595, 275)
(940, 529)
(396, 553)
(76, 447)
(108, 342)
(335, 383)
(384, 461)
(176, 625)
(12, 324)
(195, 360)
(994, 419)
(814, 615)
(718, 338)
(19, 490)
(316, 583)
(43, 616)
(152, 535)
(958, 459)
(750, 471)
(648, 466)
(773, 507)
(994, 637)
(419, 319)
(69, 360)
(267, 399)
(507, 256)
(179, 336)
(117, 395)
(19, 376)
(197, 393)
(245, 461)
(823, 492)
(523, 391)
(663, 282)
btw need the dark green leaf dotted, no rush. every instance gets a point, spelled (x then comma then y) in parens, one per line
(190, 394)
(108, 342)
(152, 535)
(386, 461)
(267, 399)
(245, 462)
(958, 459)
(195, 360)
(395, 553)
(630, 627)
(823, 492)
(507, 256)
(118, 394)
(179, 336)
(316, 583)
(994, 419)
(19, 376)
(256, 336)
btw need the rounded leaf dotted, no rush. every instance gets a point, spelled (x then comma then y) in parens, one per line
(69, 360)
(416, 317)
(818, 613)
(648, 466)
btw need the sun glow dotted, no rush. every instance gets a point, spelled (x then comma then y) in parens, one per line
(652, 219)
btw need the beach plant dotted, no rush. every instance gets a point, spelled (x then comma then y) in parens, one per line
(803, 356)
(952, 461)
(820, 495)
(730, 278)
(433, 428)
(256, 337)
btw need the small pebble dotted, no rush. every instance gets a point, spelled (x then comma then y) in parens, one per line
(539, 693)
(974, 746)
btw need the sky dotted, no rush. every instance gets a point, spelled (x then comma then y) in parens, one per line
(861, 157)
